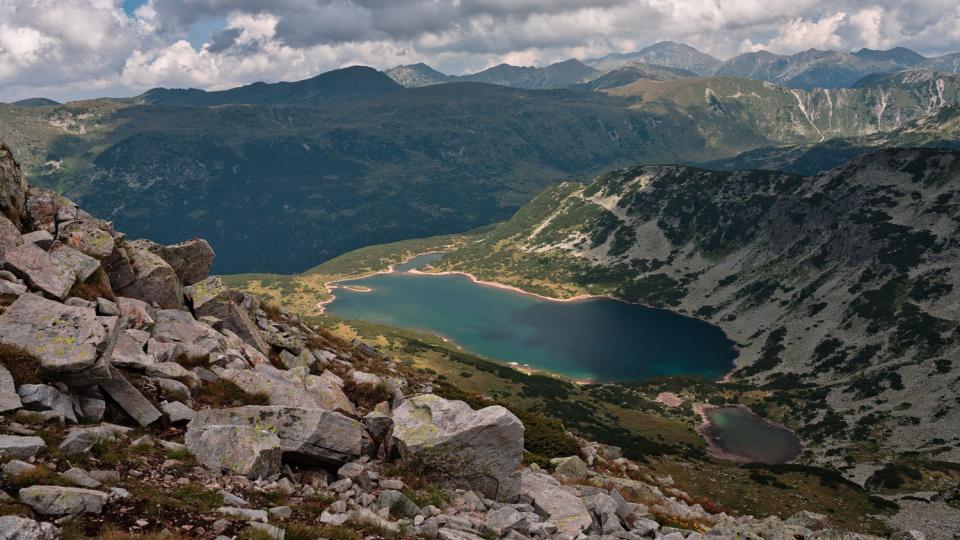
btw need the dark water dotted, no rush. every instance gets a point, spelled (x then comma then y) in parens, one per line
(597, 339)
(741, 432)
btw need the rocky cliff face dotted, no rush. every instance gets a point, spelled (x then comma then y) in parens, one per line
(140, 394)
(840, 289)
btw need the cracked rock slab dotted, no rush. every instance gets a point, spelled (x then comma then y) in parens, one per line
(72, 343)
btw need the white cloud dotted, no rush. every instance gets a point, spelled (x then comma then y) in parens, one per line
(801, 34)
(71, 48)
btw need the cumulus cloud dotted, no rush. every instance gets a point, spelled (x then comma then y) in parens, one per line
(76, 48)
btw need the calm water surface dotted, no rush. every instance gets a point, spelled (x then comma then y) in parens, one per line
(596, 339)
(738, 431)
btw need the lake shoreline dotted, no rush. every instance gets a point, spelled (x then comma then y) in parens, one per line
(708, 430)
(332, 285)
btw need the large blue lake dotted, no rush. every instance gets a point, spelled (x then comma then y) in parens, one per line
(596, 339)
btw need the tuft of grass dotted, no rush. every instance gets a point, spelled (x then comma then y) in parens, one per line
(366, 395)
(23, 366)
(223, 393)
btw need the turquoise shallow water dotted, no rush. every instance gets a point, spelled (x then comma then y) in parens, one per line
(596, 339)
(740, 432)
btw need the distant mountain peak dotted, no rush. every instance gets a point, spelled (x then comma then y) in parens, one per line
(353, 82)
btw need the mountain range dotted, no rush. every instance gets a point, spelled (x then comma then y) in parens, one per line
(300, 172)
(804, 70)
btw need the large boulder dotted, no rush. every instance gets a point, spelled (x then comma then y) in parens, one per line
(21, 528)
(88, 236)
(20, 447)
(73, 344)
(307, 436)
(57, 500)
(211, 298)
(479, 450)
(556, 504)
(39, 270)
(13, 188)
(191, 260)
(176, 326)
(155, 282)
(251, 450)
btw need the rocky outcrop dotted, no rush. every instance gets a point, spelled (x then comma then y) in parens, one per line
(41, 271)
(59, 501)
(191, 260)
(251, 450)
(155, 282)
(73, 344)
(481, 449)
(306, 435)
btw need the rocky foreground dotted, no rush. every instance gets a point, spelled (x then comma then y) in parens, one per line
(139, 396)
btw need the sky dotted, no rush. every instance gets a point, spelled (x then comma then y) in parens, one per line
(76, 49)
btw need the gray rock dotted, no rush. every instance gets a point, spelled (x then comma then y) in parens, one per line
(559, 506)
(10, 291)
(808, 520)
(229, 499)
(40, 271)
(88, 236)
(251, 450)
(43, 397)
(9, 235)
(20, 447)
(42, 239)
(212, 298)
(177, 412)
(479, 450)
(176, 326)
(191, 260)
(398, 503)
(175, 371)
(645, 526)
(295, 388)
(130, 353)
(244, 513)
(155, 281)
(907, 535)
(117, 266)
(21, 528)
(13, 188)
(571, 467)
(455, 534)
(80, 440)
(57, 500)
(83, 266)
(106, 307)
(72, 344)
(80, 477)
(130, 399)
(89, 407)
(276, 533)
(9, 399)
(281, 513)
(15, 467)
(309, 436)
(135, 314)
(290, 361)
(173, 390)
(330, 518)
(105, 476)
